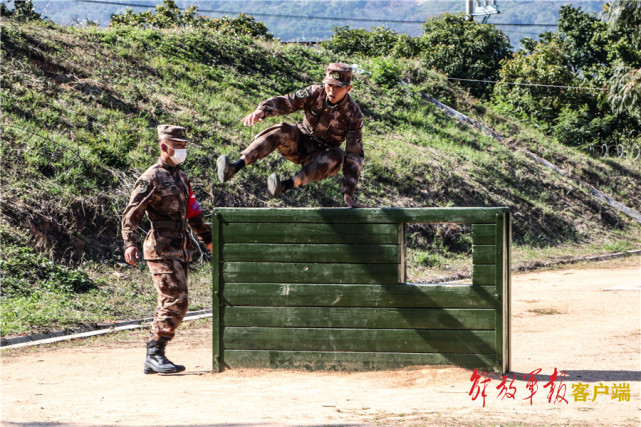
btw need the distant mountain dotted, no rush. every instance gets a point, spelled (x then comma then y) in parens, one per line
(284, 18)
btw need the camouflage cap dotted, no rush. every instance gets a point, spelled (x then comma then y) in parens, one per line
(175, 133)
(338, 74)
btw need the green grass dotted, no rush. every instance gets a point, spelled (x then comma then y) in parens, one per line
(80, 108)
(40, 294)
(120, 294)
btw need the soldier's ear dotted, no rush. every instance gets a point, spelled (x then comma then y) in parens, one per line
(349, 87)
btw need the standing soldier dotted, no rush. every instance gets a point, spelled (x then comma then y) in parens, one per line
(331, 117)
(165, 193)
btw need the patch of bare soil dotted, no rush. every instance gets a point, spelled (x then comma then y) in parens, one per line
(561, 319)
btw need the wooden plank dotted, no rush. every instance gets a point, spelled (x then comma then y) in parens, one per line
(484, 275)
(266, 252)
(275, 272)
(371, 215)
(326, 295)
(367, 340)
(340, 361)
(363, 234)
(216, 296)
(484, 254)
(366, 318)
(484, 234)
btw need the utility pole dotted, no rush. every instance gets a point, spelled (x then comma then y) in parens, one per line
(483, 8)
(469, 10)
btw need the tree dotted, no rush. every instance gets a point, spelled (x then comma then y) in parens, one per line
(464, 49)
(586, 41)
(586, 53)
(547, 64)
(23, 11)
(625, 84)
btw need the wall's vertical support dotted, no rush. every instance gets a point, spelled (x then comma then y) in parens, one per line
(507, 310)
(402, 260)
(500, 283)
(216, 294)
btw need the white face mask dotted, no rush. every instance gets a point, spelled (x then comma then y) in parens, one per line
(180, 154)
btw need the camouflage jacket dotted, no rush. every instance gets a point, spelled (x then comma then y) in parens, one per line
(165, 193)
(331, 124)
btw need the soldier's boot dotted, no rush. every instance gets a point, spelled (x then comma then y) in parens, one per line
(226, 169)
(276, 187)
(157, 362)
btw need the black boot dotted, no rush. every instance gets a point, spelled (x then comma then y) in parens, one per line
(226, 170)
(156, 360)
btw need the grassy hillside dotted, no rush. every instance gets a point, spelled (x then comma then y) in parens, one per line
(80, 108)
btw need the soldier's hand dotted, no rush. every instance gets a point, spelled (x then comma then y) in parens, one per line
(351, 203)
(131, 254)
(252, 118)
(210, 247)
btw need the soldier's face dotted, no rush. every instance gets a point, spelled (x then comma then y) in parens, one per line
(169, 145)
(335, 93)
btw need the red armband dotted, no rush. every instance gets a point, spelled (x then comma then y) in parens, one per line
(193, 208)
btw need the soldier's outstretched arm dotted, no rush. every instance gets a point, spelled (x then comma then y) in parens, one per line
(250, 119)
(353, 163)
(281, 105)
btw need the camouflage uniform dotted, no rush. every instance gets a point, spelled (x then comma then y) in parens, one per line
(315, 142)
(165, 193)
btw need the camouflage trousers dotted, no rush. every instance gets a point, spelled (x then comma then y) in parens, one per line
(318, 159)
(170, 279)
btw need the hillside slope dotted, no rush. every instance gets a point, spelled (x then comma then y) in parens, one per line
(81, 106)
(80, 110)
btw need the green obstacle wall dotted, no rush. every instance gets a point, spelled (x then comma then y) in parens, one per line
(325, 289)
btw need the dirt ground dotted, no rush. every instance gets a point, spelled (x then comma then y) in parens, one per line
(561, 319)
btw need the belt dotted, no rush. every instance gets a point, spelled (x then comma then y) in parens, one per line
(169, 225)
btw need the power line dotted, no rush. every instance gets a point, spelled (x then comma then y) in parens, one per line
(529, 84)
(523, 25)
(320, 18)
(273, 15)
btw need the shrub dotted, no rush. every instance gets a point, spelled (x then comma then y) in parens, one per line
(385, 72)
(25, 271)
(168, 15)
(575, 127)
(378, 42)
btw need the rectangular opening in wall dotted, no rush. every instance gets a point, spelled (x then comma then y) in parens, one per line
(438, 253)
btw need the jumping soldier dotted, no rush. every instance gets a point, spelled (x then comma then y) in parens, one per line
(331, 117)
(164, 192)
